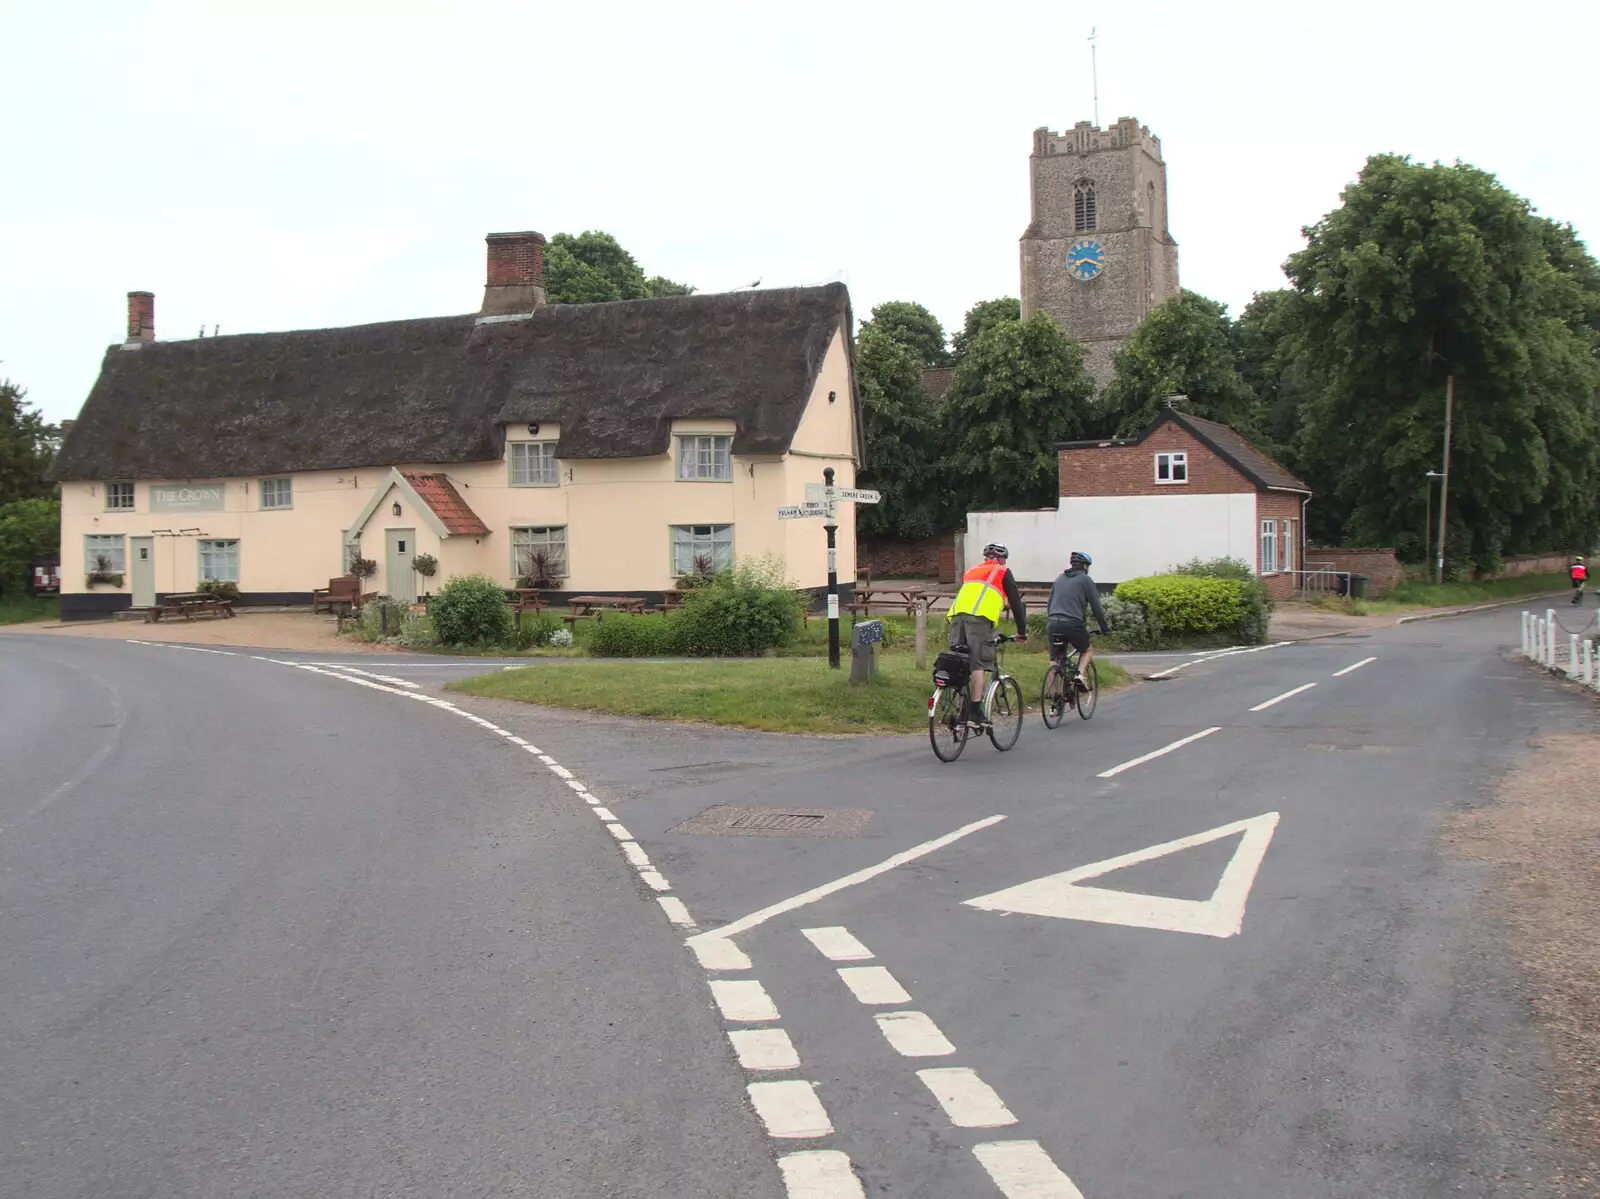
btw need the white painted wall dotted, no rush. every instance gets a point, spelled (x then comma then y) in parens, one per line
(1127, 536)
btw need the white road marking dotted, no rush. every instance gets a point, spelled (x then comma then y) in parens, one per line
(1023, 1170)
(836, 944)
(655, 880)
(744, 923)
(967, 1099)
(632, 851)
(1357, 666)
(914, 1034)
(764, 1048)
(718, 953)
(620, 833)
(1220, 916)
(1278, 699)
(790, 1109)
(604, 813)
(382, 678)
(560, 770)
(873, 984)
(676, 911)
(743, 1000)
(1165, 749)
(1228, 653)
(820, 1174)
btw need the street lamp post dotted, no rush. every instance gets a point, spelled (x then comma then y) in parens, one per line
(1444, 482)
(1427, 520)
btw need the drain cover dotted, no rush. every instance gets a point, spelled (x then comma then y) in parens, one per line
(733, 820)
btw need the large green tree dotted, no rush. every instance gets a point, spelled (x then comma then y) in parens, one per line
(1431, 272)
(29, 529)
(1187, 347)
(1273, 369)
(27, 443)
(1020, 389)
(902, 435)
(914, 327)
(593, 268)
(981, 317)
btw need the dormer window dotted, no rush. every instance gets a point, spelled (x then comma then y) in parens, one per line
(1172, 468)
(1083, 206)
(119, 497)
(705, 458)
(533, 464)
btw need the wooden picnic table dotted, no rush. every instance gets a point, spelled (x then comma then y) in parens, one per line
(587, 607)
(900, 597)
(190, 604)
(527, 599)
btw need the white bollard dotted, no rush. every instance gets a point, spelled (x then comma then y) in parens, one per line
(1572, 658)
(1588, 663)
(1524, 634)
(1550, 637)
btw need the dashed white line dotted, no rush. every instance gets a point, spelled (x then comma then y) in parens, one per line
(635, 854)
(873, 984)
(820, 1174)
(655, 880)
(676, 911)
(1357, 666)
(620, 833)
(764, 1048)
(967, 1099)
(1212, 657)
(790, 1108)
(836, 944)
(604, 813)
(1278, 699)
(718, 953)
(914, 1034)
(743, 1000)
(1165, 749)
(1023, 1170)
(382, 678)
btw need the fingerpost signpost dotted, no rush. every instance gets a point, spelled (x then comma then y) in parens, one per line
(824, 501)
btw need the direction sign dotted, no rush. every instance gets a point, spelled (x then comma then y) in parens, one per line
(816, 493)
(801, 511)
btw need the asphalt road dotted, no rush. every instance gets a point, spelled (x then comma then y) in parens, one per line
(250, 908)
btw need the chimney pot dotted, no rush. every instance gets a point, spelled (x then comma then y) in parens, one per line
(141, 316)
(514, 282)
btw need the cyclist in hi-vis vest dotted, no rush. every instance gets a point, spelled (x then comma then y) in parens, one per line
(974, 614)
(1579, 573)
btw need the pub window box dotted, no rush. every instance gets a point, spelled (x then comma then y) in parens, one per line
(219, 561)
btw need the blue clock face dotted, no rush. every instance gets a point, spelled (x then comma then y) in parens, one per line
(1086, 259)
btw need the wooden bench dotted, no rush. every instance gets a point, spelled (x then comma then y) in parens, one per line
(344, 591)
(589, 607)
(190, 605)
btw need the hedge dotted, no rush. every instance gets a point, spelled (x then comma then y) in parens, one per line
(1189, 605)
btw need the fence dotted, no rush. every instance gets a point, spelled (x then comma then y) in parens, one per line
(1546, 642)
(1321, 579)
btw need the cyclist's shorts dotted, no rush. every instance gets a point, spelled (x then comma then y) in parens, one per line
(1063, 632)
(977, 635)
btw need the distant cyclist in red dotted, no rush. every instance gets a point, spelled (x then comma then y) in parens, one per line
(1579, 573)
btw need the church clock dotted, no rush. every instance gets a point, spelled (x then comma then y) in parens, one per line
(1086, 259)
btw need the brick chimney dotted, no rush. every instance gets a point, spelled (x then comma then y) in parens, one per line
(515, 281)
(141, 316)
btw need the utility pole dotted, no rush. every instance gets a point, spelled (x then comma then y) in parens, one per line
(832, 527)
(1444, 482)
(1427, 519)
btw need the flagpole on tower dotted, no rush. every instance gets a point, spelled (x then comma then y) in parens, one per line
(1094, 72)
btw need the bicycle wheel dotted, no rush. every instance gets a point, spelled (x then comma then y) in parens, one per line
(1005, 713)
(947, 724)
(1088, 699)
(1052, 697)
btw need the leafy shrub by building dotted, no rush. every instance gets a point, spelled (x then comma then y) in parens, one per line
(538, 628)
(744, 611)
(1257, 618)
(562, 639)
(636, 637)
(1184, 606)
(382, 618)
(471, 610)
(416, 632)
(221, 588)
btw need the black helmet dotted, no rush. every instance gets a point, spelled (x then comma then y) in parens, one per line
(995, 550)
(1080, 558)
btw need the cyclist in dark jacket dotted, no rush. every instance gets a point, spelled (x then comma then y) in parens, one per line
(1072, 598)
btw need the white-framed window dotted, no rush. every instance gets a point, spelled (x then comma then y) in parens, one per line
(695, 546)
(705, 457)
(533, 464)
(529, 541)
(349, 551)
(1289, 538)
(1269, 547)
(277, 493)
(119, 497)
(1172, 468)
(105, 553)
(219, 560)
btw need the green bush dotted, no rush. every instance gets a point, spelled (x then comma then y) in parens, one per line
(636, 637)
(744, 611)
(1257, 617)
(1130, 623)
(471, 610)
(537, 629)
(381, 617)
(1184, 605)
(221, 588)
(416, 632)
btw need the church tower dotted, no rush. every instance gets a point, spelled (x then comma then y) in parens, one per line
(1098, 255)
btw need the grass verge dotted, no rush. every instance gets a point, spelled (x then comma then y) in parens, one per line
(26, 609)
(779, 695)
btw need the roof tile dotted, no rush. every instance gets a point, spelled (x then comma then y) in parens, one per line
(441, 495)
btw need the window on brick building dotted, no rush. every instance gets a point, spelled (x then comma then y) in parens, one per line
(1172, 467)
(1269, 547)
(1083, 206)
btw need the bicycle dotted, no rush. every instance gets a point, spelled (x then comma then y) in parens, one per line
(947, 706)
(1060, 689)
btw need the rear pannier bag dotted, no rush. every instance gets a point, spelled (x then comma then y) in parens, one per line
(951, 669)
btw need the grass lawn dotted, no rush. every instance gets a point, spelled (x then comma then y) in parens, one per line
(24, 609)
(1410, 595)
(781, 695)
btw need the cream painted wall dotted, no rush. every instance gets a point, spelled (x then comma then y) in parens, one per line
(618, 513)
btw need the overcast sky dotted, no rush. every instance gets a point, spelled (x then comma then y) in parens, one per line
(286, 165)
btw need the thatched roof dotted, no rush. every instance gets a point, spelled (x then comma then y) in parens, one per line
(440, 390)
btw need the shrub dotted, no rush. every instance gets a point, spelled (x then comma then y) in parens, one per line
(416, 632)
(221, 588)
(425, 565)
(471, 610)
(561, 638)
(1187, 604)
(381, 618)
(636, 637)
(1257, 616)
(537, 629)
(1130, 622)
(743, 611)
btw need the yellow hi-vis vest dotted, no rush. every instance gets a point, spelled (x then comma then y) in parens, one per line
(982, 592)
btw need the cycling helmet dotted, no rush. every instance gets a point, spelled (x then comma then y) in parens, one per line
(1078, 556)
(995, 550)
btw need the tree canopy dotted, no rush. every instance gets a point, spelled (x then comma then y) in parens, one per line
(913, 327)
(903, 441)
(29, 529)
(1187, 347)
(593, 268)
(27, 444)
(982, 316)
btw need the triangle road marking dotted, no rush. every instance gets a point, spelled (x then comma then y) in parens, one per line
(1061, 895)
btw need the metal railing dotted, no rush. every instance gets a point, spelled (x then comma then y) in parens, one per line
(1320, 579)
(1547, 642)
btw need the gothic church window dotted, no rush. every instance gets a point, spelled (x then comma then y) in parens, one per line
(1083, 206)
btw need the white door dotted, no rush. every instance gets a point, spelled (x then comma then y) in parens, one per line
(143, 571)
(401, 581)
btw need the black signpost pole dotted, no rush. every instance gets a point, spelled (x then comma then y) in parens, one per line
(833, 574)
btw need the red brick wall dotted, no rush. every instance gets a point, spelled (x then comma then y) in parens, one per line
(1379, 564)
(1531, 564)
(1280, 506)
(923, 558)
(1131, 469)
